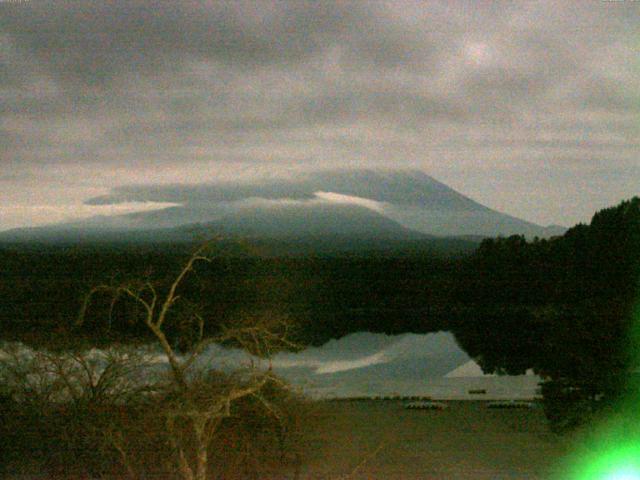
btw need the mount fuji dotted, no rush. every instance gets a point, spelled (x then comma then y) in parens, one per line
(342, 205)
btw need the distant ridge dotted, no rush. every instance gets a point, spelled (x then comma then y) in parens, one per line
(380, 205)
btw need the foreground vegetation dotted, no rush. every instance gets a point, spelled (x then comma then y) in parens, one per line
(95, 415)
(105, 430)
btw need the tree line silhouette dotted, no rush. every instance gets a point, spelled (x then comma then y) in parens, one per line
(564, 307)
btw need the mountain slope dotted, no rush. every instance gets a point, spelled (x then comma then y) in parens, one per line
(347, 203)
(409, 197)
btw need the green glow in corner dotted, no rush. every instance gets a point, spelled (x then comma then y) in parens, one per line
(617, 464)
(612, 451)
(631, 474)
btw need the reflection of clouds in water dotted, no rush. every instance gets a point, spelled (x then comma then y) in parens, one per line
(323, 366)
(354, 351)
(341, 366)
(316, 369)
(363, 349)
(360, 364)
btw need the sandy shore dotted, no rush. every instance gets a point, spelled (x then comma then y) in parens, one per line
(383, 440)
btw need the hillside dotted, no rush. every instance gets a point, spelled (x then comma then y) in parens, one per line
(374, 204)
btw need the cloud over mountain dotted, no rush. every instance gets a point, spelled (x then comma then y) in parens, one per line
(328, 202)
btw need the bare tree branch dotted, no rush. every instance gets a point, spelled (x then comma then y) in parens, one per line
(196, 414)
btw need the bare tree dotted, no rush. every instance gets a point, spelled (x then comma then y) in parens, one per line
(194, 406)
(61, 402)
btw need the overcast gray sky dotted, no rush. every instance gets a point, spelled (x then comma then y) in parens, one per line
(532, 108)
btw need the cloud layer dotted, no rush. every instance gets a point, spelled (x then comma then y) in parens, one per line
(529, 107)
